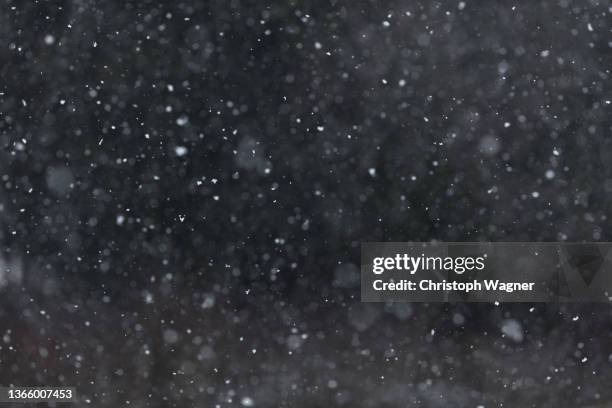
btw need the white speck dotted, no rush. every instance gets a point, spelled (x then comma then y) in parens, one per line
(458, 319)
(180, 150)
(535, 194)
(575, 318)
(513, 329)
(320, 128)
(372, 171)
(386, 24)
(49, 39)
(247, 402)
(170, 87)
(545, 53)
(503, 67)
(24, 103)
(95, 44)
(318, 45)
(182, 120)
(550, 174)
(589, 27)
(402, 83)
(209, 301)
(384, 81)
(181, 218)
(584, 360)
(556, 152)
(100, 142)
(506, 124)
(461, 5)
(120, 219)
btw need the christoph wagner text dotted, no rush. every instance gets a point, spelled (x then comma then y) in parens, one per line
(412, 264)
(475, 286)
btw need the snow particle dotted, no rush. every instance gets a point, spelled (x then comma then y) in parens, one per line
(182, 120)
(512, 329)
(458, 319)
(247, 402)
(59, 179)
(490, 145)
(170, 336)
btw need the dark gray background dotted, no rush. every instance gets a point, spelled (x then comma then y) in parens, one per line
(283, 134)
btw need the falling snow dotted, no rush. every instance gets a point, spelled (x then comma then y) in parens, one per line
(185, 187)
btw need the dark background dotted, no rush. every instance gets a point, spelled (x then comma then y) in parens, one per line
(185, 186)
